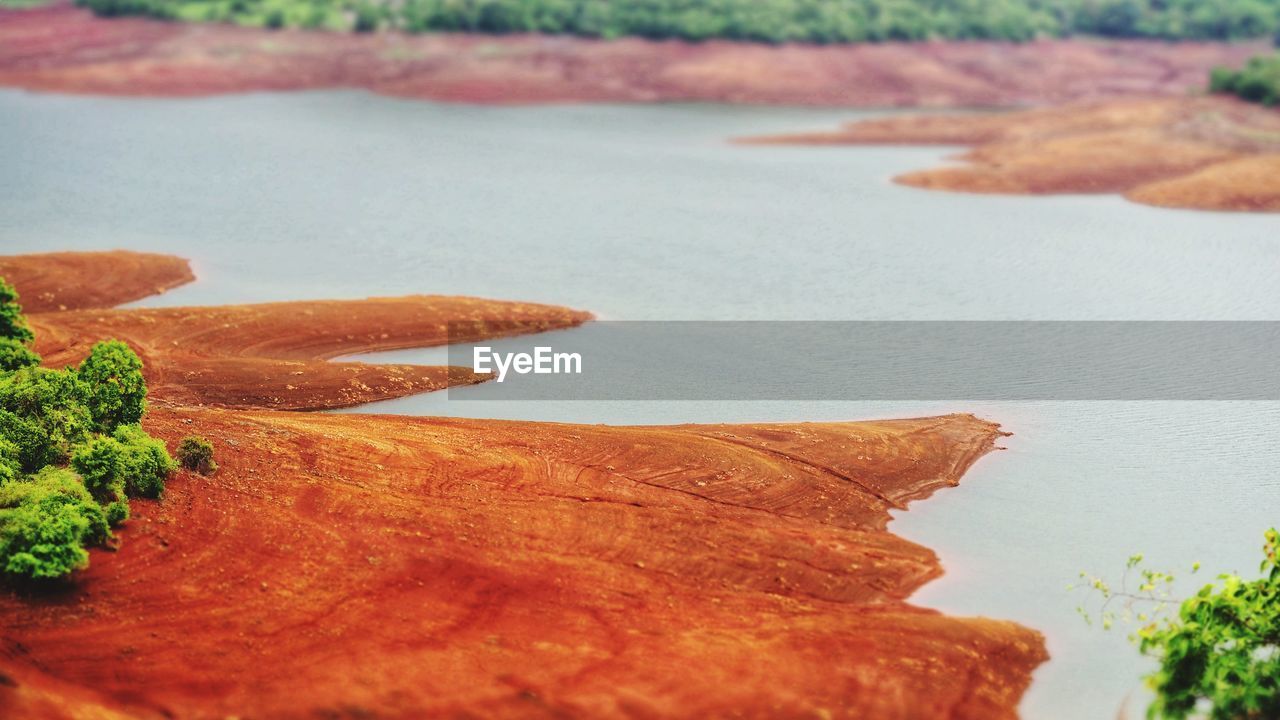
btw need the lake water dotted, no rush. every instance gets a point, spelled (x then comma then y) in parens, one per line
(648, 213)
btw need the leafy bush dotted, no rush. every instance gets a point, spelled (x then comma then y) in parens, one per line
(117, 392)
(772, 21)
(87, 417)
(44, 413)
(1258, 82)
(12, 324)
(366, 18)
(130, 463)
(196, 453)
(159, 9)
(117, 512)
(10, 466)
(31, 449)
(98, 463)
(1219, 654)
(45, 522)
(14, 355)
(144, 461)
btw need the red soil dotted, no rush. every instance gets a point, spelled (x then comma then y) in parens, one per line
(365, 566)
(340, 566)
(66, 49)
(1208, 153)
(1251, 183)
(273, 355)
(276, 355)
(76, 280)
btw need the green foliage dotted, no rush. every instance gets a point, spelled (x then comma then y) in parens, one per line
(43, 412)
(14, 355)
(12, 324)
(144, 462)
(130, 463)
(117, 512)
(159, 9)
(771, 21)
(367, 17)
(48, 513)
(196, 453)
(116, 393)
(1258, 81)
(99, 465)
(45, 522)
(10, 466)
(1219, 653)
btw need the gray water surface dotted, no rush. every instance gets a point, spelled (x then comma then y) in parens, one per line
(648, 213)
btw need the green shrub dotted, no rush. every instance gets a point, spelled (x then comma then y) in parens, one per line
(31, 447)
(14, 355)
(117, 512)
(12, 324)
(48, 514)
(196, 453)
(367, 17)
(10, 465)
(316, 18)
(116, 393)
(145, 462)
(1222, 80)
(45, 523)
(98, 462)
(1258, 81)
(43, 412)
(130, 463)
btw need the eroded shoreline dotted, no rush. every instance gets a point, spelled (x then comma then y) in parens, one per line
(1203, 153)
(406, 566)
(61, 48)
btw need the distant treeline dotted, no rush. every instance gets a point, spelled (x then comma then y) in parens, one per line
(772, 21)
(1258, 82)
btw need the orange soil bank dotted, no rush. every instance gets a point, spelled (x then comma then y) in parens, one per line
(66, 49)
(76, 280)
(276, 355)
(1208, 153)
(376, 566)
(271, 355)
(1250, 183)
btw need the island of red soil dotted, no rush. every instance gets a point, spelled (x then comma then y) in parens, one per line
(354, 566)
(1208, 153)
(67, 49)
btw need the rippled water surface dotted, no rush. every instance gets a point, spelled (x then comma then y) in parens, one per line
(648, 213)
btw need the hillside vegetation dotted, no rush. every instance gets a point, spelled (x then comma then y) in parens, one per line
(71, 451)
(773, 21)
(1258, 81)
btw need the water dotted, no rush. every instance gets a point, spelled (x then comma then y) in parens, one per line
(648, 213)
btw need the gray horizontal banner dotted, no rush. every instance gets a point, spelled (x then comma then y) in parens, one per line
(1121, 360)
